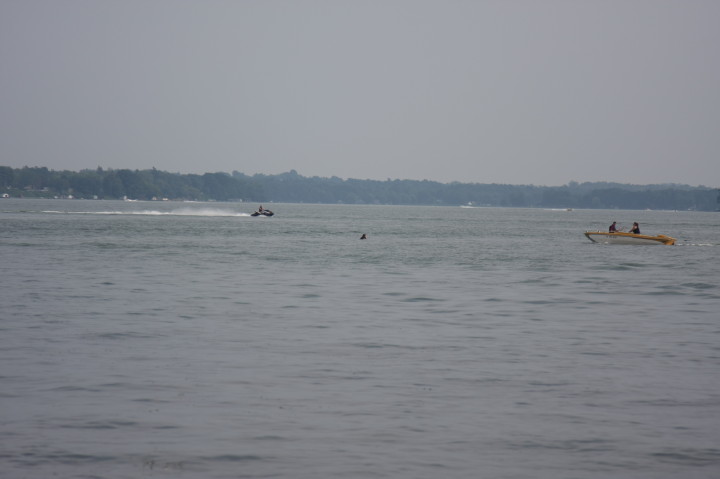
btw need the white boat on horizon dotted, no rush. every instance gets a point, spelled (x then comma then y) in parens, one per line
(627, 238)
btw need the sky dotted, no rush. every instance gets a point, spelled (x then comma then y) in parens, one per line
(539, 92)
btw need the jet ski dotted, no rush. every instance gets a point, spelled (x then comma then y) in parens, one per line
(263, 213)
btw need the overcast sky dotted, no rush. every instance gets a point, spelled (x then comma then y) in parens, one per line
(508, 91)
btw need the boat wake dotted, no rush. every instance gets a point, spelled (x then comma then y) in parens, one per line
(176, 212)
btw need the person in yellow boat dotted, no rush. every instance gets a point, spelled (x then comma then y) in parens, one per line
(635, 228)
(613, 228)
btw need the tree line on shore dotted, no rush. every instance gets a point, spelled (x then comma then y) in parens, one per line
(291, 187)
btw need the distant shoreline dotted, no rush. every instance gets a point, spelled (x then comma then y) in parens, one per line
(291, 187)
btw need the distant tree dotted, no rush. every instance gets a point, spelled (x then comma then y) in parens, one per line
(557, 197)
(87, 184)
(32, 178)
(7, 176)
(112, 186)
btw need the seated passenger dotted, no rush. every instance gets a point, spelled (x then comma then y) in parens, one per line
(635, 228)
(613, 228)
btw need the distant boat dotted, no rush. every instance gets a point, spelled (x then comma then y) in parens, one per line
(627, 238)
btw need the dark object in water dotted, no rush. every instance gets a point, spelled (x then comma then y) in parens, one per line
(263, 213)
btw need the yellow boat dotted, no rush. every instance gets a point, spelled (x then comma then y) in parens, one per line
(627, 238)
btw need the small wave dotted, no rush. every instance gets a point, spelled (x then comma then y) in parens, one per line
(420, 299)
(698, 457)
(234, 457)
(699, 285)
(109, 424)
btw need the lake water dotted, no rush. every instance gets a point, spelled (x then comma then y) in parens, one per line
(163, 339)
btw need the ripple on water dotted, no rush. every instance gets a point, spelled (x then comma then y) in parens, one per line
(689, 457)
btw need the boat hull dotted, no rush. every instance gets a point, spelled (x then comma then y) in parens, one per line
(627, 238)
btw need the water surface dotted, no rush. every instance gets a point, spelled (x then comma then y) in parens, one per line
(163, 339)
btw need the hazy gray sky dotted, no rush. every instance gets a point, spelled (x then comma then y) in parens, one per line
(507, 91)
